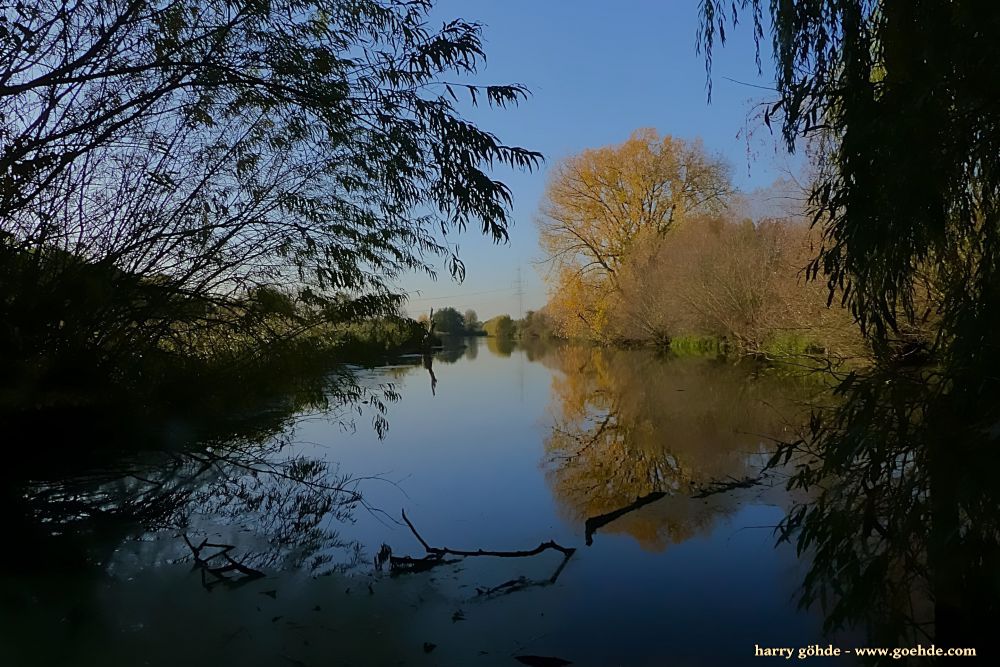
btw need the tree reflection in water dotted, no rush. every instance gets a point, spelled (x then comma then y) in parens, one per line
(240, 480)
(630, 451)
(502, 347)
(902, 524)
(628, 448)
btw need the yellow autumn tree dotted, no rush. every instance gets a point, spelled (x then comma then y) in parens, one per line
(579, 304)
(598, 202)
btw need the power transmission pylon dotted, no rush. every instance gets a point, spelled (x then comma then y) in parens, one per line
(519, 291)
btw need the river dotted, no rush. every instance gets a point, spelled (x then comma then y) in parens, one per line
(616, 454)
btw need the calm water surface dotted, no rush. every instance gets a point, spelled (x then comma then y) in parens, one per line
(507, 447)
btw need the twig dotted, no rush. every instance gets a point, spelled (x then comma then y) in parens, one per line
(436, 556)
(220, 571)
(566, 551)
(522, 583)
(398, 564)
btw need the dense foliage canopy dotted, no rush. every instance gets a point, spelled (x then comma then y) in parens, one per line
(899, 100)
(173, 168)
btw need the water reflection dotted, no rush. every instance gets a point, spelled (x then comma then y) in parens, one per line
(632, 438)
(502, 347)
(628, 439)
(903, 529)
(472, 347)
(236, 478)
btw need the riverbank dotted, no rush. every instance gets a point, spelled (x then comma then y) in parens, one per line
(165, 398)
(788, 349)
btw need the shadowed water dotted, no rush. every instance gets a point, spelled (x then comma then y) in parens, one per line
(617, 454)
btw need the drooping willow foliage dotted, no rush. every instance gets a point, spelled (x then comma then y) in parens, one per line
(176, 166)
(903, 99)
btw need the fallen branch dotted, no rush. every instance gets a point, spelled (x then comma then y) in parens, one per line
(220, 572)
(595, 522)
(522, 583)
(400, 564)
(436, 556)
(442, 551)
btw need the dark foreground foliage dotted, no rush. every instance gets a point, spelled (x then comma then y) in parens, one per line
(899, 100)
(197, 179)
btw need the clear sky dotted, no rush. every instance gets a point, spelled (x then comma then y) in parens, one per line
(597, 70)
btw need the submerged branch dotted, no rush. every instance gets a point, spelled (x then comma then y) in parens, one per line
(522, 583)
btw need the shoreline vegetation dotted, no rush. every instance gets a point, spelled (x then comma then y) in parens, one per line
(193, 196)
(277, 338)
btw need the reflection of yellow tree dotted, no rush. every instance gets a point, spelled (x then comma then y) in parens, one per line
(627, 425)
(502, 347)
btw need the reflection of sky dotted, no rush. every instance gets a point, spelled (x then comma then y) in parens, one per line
(598, 70)
(468, 462)
(471, 472)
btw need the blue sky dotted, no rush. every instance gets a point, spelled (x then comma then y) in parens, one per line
(597, 70)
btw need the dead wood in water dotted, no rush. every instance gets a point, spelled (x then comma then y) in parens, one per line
(521, 583)
(401, 564)
(220, 572)
(595, 522)
(436, 556)
(566, 551)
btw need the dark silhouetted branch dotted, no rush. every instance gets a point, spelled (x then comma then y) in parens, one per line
(220, 572)
(566, 551)
(521, 583)
(595, 522)
(436, 556)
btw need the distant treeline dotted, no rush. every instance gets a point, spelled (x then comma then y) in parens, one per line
(449, 321)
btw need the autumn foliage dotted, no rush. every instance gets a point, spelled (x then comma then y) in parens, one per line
(647, 241)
